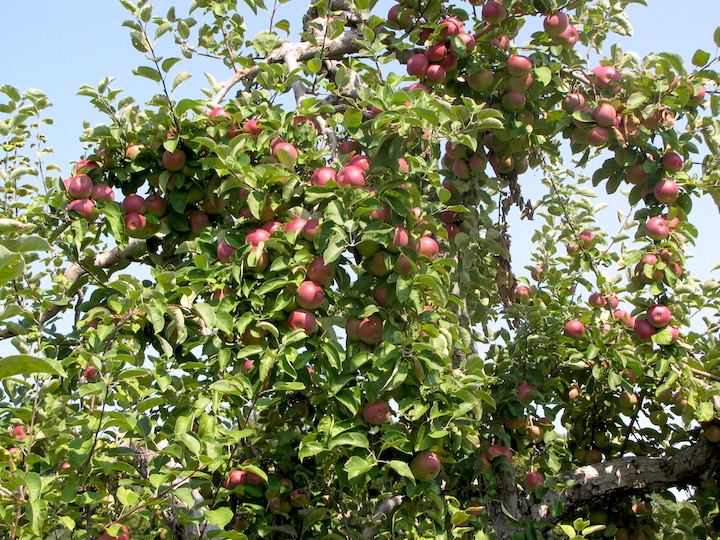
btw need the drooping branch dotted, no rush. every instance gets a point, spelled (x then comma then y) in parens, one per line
(108, 259)
(628, 475)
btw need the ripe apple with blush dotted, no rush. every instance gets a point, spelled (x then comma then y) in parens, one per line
(425, 466)
(310, 295)
(302, 319)
(376, 413)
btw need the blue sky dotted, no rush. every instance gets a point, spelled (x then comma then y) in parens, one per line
(59, 46)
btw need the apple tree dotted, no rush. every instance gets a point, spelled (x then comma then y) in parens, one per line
(285, 307)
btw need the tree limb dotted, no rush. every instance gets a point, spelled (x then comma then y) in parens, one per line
(628, 475)
(383, 512)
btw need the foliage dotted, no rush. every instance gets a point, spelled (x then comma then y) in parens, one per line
(161, 350)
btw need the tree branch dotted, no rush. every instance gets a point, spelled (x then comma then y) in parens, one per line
(628, 475)
(383, 512)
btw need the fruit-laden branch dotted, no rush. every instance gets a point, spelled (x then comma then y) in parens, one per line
(108, 259)
(628, 475)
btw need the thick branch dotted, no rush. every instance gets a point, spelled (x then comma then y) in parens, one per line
(629, 475)
(383, 512)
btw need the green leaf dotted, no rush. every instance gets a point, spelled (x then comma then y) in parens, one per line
(402, 469)
(220, 517)
(265, 42)
(181, 78)
(24, 364)
(314, 65)
(11, 265)
(148, 72)
(350, 438)
(356, 466)
(168, 63)
(716, 37)
(700, 58)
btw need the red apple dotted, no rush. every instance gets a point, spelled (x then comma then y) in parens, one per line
(604, 114)
(533, 479)
(156, 205)
(672, 162)
(435, 73)
(84, 207)
(519, 66)
(134, 203)
(135, 224)
(606, 76)
(376, 413)
(524, 393)
(636, 174)
(296, 225)
(574, 329)
(310, 295)
(568, 37)
(586, 238)
(417, 65)
(556, 23)
(513, 101)
(666, 191)
(257, 236)
(310, 229)
(428, 247)
(302, 319)
(225, 251)
(658, 315)
(198, 220)
(712, 432)
(321, 176)
(370, 330)
(85, 165)
(643, 330)
(377, 265)
(285, 153)
(361, 161)
(351, 175)
(425, 466)
(174, 161)
(494, 12)
(91, 374)
(298, 498)
(319, 272)
(657, 228)
(520, 84)
(252, 127)
(18, 432)
(79, 187)
(235, 479)
(102, 192)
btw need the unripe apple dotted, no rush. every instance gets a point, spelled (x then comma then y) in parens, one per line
(513, 101)
(658, 315)
(481, 80)
(533, 479)
(79, 187)
(376, 413)
(134, 203)
(574, 329)
(378, 266)
(628, 400)
(520, 84)
(298, 499)
(672, 162)
(425, 466)
(712, 432)
(310, 295)
(174, 161)
(556, 23)
(636, 174)
(568, 37)
(493, 12)
(302, 319)
(657, 228)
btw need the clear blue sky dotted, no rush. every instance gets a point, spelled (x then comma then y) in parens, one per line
(59, 46)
